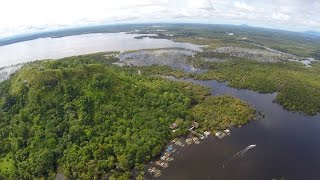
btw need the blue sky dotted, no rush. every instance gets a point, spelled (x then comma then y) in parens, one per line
(18, 16)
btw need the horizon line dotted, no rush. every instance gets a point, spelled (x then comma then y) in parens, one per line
(71, 27)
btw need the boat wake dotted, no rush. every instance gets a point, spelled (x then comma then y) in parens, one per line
(243, 151)
(239, 154)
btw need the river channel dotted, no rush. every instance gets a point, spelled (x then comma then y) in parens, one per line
(287, 145)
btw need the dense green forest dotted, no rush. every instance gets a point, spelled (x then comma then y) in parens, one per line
(297, 86)
(87, 119)
(220, 109)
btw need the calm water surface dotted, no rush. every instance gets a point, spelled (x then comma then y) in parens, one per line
(288, 145)
(54, 48)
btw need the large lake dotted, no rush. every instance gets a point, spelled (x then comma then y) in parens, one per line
(54, 48)
(287, 145)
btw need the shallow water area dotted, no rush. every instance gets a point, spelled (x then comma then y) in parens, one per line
(55, 48)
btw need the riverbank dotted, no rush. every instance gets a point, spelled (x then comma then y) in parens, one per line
(114, 117)
(286, 145)
(178, 146)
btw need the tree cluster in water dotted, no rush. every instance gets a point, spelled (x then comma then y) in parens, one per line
(297, 86)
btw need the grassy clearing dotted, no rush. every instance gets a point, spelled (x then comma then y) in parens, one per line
(7, 167)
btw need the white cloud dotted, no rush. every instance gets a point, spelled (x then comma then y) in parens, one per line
(243, 6)
(280, 16)
(18, 16)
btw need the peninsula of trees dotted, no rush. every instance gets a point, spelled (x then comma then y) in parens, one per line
(86, 118)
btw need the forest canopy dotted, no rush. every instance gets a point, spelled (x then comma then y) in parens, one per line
(86, 118)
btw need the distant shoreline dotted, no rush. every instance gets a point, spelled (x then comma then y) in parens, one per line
(71, 31)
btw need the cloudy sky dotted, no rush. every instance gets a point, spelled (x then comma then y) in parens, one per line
(24, 16)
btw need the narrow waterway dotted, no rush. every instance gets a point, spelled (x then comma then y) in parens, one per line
(287, 145)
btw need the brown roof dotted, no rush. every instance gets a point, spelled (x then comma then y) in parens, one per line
(173, 125)
(195, 124)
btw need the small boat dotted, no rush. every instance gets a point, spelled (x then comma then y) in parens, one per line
(252, 145)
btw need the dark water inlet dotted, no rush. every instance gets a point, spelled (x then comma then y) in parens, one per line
(287, 145)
